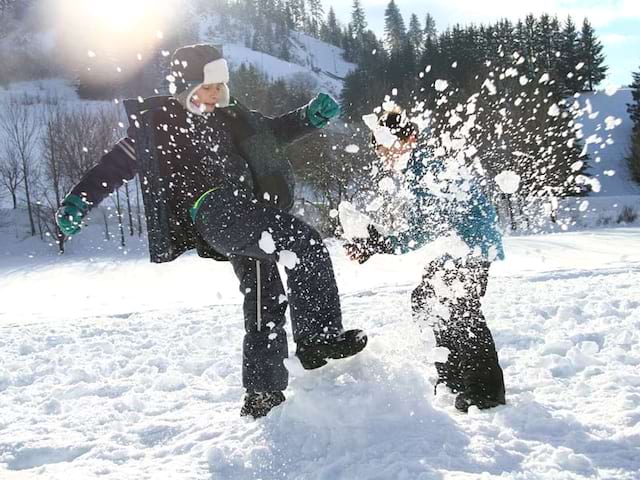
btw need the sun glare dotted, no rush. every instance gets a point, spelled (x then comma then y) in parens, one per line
(117, 31)
(123, 15)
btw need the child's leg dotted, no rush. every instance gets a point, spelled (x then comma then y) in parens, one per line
(265, 341)
(431, 309)
(237, 226)
(482, 376)
(449, 300)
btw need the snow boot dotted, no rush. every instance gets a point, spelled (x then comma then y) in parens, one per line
(313, 352)
(479, 397)
(258, 404)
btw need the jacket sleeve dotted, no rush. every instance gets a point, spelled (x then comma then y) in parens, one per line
(291, 126)
(109, 174)
(409, 240)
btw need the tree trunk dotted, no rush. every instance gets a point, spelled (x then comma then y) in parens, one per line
(29, 209)
(126, 191)
(119, 213)
(107, 235)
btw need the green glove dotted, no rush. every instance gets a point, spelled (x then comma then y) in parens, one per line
(322, 109)
(69, 216)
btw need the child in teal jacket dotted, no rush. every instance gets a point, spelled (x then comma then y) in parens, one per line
(446, 199)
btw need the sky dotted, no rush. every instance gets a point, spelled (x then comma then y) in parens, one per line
(617, 22)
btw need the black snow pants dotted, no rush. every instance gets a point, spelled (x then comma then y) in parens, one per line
(449, 301)
(255, 237)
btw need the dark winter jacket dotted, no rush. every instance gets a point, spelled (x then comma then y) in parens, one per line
(235, 148)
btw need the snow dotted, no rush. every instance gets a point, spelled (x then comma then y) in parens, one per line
(310, 56)
(508, 181)
(288, 259)
(266, 243)
(613, 123)
(354, 223)
(113, 367)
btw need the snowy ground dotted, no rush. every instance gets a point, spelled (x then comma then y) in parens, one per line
(115, 368)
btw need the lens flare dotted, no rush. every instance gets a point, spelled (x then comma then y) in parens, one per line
(120, 34)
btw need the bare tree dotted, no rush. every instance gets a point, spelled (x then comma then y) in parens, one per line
(11, 174)
(52, 140)
(332, 174)
(21, 131)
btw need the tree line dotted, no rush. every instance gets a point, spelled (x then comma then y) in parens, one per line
(634, 112)
(519, 75)
(47, 147)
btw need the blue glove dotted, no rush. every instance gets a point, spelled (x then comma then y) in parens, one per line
(322, 109)
(69, 216)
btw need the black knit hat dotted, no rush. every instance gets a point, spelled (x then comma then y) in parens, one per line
(398, 124)
(188, 65)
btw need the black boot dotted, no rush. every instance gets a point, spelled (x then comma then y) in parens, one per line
(314, 351)
(483, 401)
(258, 404)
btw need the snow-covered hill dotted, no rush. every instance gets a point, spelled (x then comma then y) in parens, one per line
(116, 368)
(309, 56)
(606, 118)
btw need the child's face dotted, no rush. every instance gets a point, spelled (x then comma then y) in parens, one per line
(400, 148)
(207, 96)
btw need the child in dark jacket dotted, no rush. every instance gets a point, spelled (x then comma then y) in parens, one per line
(449, 297)
(228, 189)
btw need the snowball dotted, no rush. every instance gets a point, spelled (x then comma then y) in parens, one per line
(612, 122)
(441, 85)
(523, 80)
(554, 110)
(354, 223)
(384, 136)
(288, 259)
(387, 185)
(370, 121)
(490, 86)
(611, 89)
(266, 243)
(544, 78)
(352, 148)
(508, 181)
(440, 354)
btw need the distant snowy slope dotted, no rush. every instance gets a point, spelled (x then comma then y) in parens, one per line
(609, 164)
(322, 56)
(309, 55)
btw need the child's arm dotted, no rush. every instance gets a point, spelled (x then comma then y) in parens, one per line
(307, 119)
(109, 174)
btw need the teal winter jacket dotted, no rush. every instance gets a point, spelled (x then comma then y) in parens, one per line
(446, 201)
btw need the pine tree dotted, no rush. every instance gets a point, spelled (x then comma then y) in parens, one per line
(570, 58)
(394, 28)
(430, 30)
(634, 112)
(594, 70)
(358, 21)
(416, 34)
(316, 11)
(331, 29)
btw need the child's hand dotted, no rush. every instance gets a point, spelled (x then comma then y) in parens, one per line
(322, 109)
(69, 216)
(357, 250)
(362, 249)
